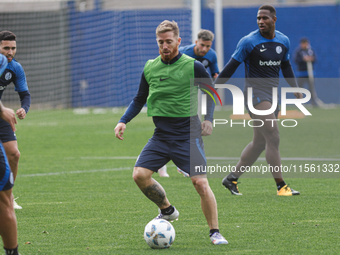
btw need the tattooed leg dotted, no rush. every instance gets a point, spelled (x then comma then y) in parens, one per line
(150, 187)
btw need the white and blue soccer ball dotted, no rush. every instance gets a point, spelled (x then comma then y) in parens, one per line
(159, 234)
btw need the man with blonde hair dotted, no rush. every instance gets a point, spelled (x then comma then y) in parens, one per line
(166, 88)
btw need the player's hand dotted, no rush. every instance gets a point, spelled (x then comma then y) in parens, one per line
(21, 113)
(8, 115)
(308, 58)
(298, 95)
(119, 130)
(206, 127)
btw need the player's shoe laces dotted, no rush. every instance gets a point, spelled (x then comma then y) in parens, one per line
(231, 185)
(287, 191)
(185, 174)
(15, 204)
(217, 238)
(162, 172)
(171, 217)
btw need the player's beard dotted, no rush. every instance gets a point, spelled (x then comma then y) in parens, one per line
(170, 56)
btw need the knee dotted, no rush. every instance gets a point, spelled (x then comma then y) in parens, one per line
(6, 203)
(273, 138)
(259, 145)
(14, 155)
(139, 175)
(201, 185)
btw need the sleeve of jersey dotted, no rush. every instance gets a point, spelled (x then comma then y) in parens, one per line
(201, 72)
(3, 64)
(25, 100)
(287, 72)
(214, 66)
(287, 44)
(228, 70)
(20, 82)
(242, 50)
(138, 102)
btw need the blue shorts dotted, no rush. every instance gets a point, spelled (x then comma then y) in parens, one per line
(186, 154)
(260, 96)
(6, 132)
(6, 175)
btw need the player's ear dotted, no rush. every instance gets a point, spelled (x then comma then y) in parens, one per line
(179, 40)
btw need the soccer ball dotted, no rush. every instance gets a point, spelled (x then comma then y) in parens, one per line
(159, 234)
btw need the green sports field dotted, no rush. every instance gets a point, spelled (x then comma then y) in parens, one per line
(78, 197)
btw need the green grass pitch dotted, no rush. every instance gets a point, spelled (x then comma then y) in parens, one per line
(78, 197)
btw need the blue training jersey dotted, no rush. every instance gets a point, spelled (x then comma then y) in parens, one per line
(209, 60)
(262, 58)
(13, 73)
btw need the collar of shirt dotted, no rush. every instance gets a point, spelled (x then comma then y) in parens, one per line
(173, 60)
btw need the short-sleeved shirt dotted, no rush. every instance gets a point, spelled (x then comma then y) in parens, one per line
(262, 58)
(209, 60)
(13, 73)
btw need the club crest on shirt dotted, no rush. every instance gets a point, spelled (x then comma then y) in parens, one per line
(8, 76)
(205, 63)
(179, 73)
(278, 49)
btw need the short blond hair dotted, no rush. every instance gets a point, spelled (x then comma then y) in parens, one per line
(168, 26)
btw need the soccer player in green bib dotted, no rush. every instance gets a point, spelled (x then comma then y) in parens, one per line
(167, 89)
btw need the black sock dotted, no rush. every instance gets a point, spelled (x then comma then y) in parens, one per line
(12, 251)
(232, 178)
(280, 185)
(168, 211)
(213, 231)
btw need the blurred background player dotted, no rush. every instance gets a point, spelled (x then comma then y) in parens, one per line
(305, 55)
(264, 52)
(13, 73)
(201, 50)
(8, 221)
(165, 86)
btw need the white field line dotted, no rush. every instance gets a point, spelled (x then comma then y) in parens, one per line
(135, 157)
(220, 158)
(77, 172)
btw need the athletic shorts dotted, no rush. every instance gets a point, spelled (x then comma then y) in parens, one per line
(186, 154)
(260, 96)
(6, 132)
(6, 175)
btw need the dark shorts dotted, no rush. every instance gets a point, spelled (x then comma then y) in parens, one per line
(6, 132)
(186, 154)
(6, 175)
(260, 96)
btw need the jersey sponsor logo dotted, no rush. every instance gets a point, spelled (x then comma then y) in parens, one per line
(160, 79)
(278, 49)
(270, 63)
(8, 76)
